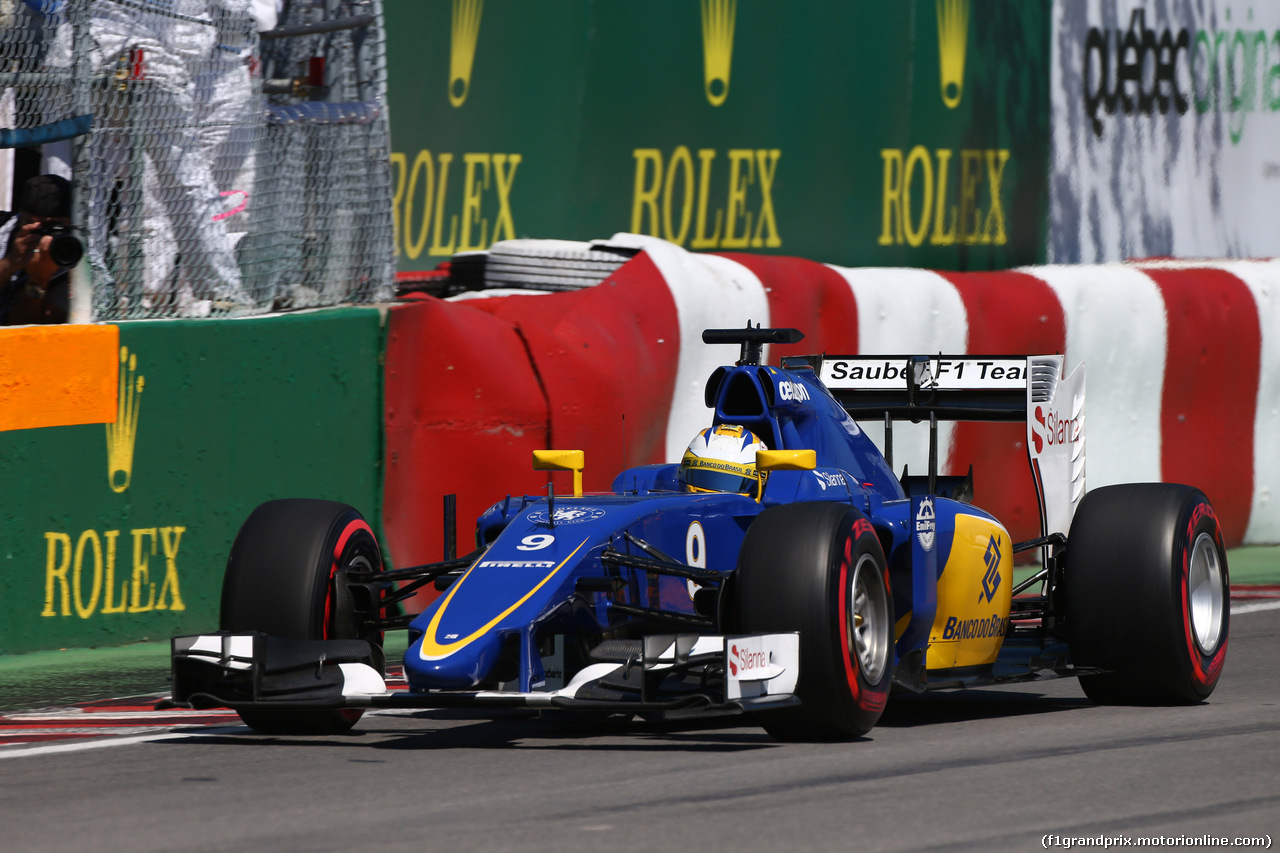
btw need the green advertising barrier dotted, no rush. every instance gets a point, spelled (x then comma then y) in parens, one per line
(120, 533)
(859, 134)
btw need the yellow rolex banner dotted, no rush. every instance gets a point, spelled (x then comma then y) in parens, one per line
(912, 133)
(118, 533)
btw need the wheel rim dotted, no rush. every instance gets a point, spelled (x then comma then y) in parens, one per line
(868, 616)
(1204, 587)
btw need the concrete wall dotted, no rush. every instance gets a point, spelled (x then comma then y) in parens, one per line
(117, 533)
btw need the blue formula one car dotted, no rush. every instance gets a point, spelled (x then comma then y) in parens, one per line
(781, 569)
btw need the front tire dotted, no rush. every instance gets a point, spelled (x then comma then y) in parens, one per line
(818, 568)
(284, 578)
(1147, 594)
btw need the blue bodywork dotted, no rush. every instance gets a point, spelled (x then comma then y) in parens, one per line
(540, 574)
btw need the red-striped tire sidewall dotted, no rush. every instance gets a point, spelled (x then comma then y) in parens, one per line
(352, 527)
(867, 699)
(794, 574)
(356, 528)
(1201, 669)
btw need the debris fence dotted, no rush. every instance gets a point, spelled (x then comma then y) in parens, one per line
(223, 165)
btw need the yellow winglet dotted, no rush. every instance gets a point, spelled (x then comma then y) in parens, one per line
(562, 460)
(786, 460)
(783, 460)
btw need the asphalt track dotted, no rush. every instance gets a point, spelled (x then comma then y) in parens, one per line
(993, 769)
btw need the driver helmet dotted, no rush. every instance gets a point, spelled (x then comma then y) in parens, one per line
(722, 459)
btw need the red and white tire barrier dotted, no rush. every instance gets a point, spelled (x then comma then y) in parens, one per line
(1183, 368)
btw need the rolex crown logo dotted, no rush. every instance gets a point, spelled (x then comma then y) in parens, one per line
(462, 47)
(953, 39)
(718, 18)
(122, 434)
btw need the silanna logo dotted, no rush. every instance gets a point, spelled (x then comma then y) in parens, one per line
(1144, 70)
(953, 42)
(718, 20)
(123, 434)
(1049, 429)
(745, 661)
(463, 36)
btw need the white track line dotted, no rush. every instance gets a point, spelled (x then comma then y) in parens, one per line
(53, 748)
(1254, 607)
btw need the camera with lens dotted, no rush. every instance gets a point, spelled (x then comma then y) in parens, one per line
(65, 249)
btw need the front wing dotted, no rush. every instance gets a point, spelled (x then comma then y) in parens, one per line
(669, 675)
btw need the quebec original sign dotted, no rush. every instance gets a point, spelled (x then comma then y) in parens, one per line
(1166, 130)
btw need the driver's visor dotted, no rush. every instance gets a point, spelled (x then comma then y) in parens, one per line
(708, 476)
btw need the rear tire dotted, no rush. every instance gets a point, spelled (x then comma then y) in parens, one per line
(282, 579)
(818, 568)
(1147, 594)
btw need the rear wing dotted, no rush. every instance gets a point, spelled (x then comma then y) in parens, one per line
(951, 387)
(1030, 389)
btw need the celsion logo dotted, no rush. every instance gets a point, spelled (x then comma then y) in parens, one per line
(953, 40)
(991, 580)
(788, 390)
(1051, 429)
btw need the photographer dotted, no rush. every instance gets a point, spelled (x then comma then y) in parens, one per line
(39, 253)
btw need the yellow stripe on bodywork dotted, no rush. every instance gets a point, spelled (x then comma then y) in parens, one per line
(960, 595)
(431, 650)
